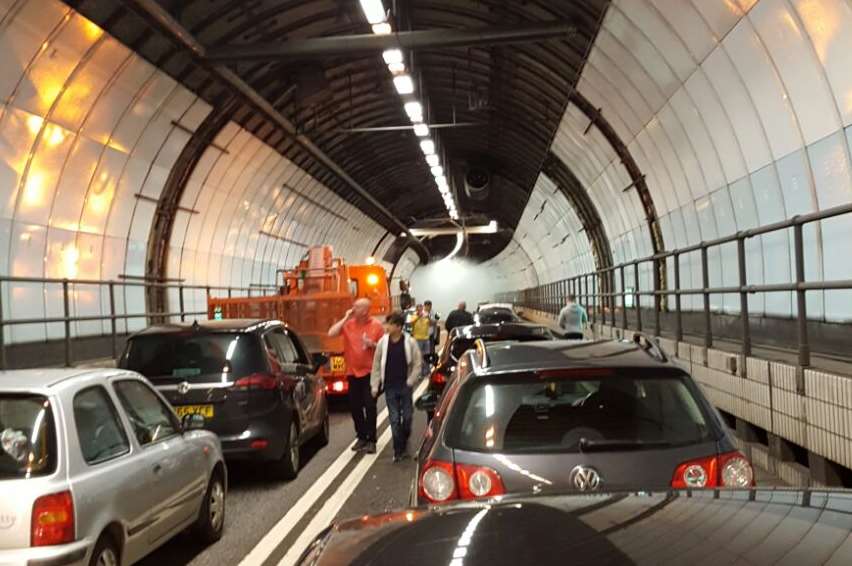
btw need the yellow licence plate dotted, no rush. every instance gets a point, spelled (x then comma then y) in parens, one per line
(337, 364)
(205, 411)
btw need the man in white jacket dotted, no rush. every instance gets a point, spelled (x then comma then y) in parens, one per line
(396, 370)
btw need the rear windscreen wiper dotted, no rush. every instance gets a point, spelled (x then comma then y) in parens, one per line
(586, 445)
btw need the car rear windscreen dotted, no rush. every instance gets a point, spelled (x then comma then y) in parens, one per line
(496, 317)
(195, 358)
(531, 413)
(27, 436)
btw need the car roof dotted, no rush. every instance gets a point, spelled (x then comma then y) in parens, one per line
(507, 329)
(559, 354)
(45, 379)
(224, 325)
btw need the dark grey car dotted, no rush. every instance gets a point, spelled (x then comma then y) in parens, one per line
(251, 380)
(568, 416)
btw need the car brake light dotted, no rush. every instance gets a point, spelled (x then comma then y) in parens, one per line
(256, 381)
(337, 386)
(441, 482)
(731, 469)
(438, 378)
(478, 481)
(52, 520)
(436, 482)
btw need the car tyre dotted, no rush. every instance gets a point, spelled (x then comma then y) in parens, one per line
(106, 552)
(324, 434)
(287, 467)
(211, 518)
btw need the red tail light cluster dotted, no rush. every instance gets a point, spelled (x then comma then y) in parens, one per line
(731, 469)
(441, 482)
(52, 520)
(438, 378)
(256, 381)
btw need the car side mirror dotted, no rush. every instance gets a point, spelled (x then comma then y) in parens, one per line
(427, 402)
(192, 422)
(319, 360)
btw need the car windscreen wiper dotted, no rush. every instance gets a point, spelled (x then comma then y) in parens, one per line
(586, 445)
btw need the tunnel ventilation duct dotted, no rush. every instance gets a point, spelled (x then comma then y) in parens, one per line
(477, 183)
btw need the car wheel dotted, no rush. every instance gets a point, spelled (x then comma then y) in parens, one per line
(287, 467)
(211, 518)
(105, 553)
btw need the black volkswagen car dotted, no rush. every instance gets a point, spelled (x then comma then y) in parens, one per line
(251, 380)
(565, 415)
(667, 528)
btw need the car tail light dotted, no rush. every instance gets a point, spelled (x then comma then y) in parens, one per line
(731, 469)
(52, 520)
(337, 386)
(438, 378)
(441, 482)
(256, 381)
(478, 481)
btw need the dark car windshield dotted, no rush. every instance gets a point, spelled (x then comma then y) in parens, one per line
(27, 436)
(575, 413)
(496, 316)
(523, 334)
(194, 357)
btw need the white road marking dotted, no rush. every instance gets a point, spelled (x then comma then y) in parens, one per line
(282, 528)
(334, 503)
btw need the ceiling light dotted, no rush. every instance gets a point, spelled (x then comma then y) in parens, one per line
(373, 10)
(414, 110)
(422, 130)
(432, 160)
(383, 28)
(427, 146)
(392, 56)
(437, 171)
(403, 84)
(440, 179)
(454, 215)
(396, 68)
(444, 189)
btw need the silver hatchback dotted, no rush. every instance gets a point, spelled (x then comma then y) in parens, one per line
(95, 468)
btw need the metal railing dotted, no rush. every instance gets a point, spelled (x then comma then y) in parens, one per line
(602, 305)
(68, 286)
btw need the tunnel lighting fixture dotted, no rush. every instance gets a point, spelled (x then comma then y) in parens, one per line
(370, 260)
(396, 68)
(428, 147)
(383, 28)
(444, 189)
(454, 215)
(437, 171)
(421, 130)
(441, 180)
(433, 160)
(373, 10)
(414, 110)
(403, 84)
(392, 56)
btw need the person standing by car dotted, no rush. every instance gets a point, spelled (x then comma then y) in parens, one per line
(420, 331)
(459, 317)
(396, 369)
(360, 334)
(573, 319)
(434, 331)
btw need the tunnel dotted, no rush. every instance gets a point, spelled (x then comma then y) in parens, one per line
(680, 168)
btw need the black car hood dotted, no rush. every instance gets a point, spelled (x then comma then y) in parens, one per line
(756, 527)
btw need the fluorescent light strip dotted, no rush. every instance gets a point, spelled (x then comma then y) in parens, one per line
(403, 84)
(374, 11)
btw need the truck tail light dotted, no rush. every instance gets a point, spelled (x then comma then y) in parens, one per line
(52, 520)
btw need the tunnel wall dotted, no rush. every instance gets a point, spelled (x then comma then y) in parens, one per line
(86, 126)
(738, 113)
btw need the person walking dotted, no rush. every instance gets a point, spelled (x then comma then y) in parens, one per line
(458, 317)
(434, 330)
(420, 328)
(573, 319)
(396, 370)
(360, 334)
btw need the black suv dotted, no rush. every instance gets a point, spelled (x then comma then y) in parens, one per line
(251, 380)
(569, 416)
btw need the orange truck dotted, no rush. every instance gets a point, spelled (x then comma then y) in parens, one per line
(313, 296)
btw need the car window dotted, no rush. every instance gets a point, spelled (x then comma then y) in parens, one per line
(99, 429)
(570, 413)
(150, 418)
(460, 346)
(193, 357)
(282, 345)
(27, 436)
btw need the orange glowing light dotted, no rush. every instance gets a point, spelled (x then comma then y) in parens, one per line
(70, 257)
(34, 123)
(91, 29)
(372, 279)
(55, 135)
(34, 189)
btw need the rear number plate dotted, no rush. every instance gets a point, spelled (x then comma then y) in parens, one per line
(205, 411)
(337, 364)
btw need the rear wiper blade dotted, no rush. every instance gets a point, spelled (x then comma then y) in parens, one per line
(587, 445)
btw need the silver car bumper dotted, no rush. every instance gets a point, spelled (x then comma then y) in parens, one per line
(73, 554)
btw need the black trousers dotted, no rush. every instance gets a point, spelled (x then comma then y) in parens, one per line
(363, 407)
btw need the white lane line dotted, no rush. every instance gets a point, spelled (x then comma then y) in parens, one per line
(282, 528)
(328, 511)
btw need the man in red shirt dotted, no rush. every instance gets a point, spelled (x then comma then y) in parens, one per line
(361, 333)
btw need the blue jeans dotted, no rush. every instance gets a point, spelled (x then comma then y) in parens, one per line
(400, 411)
